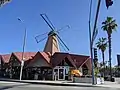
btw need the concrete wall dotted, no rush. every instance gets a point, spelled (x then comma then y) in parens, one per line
(88, 80)
(82, 80)
(117, 79)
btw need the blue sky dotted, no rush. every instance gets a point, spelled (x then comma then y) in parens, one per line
(61, 13)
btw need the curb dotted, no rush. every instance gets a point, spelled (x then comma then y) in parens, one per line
(52, 84)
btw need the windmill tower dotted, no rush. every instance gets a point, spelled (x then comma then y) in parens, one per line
(52, 43)
(53, 39)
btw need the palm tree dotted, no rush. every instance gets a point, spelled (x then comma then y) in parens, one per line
(3, 2)
(109, 25)
(102, 45)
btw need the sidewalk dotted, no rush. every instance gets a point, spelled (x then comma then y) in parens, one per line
(65, 83)
(110, 84)
(55, 83)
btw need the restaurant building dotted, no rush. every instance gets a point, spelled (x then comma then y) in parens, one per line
(51, 64)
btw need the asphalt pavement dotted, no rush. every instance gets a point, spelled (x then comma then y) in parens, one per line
(24, 86)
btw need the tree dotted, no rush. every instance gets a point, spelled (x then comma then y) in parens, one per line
(109, 25)
(3, 2)
(102, 45)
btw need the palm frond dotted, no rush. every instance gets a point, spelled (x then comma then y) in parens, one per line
(109, 19)
(102, 44)
(109, 25)
(3, 2)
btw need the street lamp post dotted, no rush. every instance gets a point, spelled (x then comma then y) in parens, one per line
(22, 62)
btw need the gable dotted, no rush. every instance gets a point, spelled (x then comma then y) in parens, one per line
(38, 61)
(27, 55)
(5, 58)
(14, 60)
(79, 60)
(58, 58)
(65, 62)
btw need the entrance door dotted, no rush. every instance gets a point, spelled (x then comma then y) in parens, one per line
(55, 74)
(61, 74)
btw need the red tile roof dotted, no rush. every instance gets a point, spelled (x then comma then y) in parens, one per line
(45, 55)
(5, 58)
(75, 60)
(80, 60)
(27, 55)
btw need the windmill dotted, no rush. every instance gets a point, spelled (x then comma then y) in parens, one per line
(53, 38)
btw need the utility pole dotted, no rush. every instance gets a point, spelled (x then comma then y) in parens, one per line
(108, 3)
(24, 41)
(91, 43)
(92, 36)
(96, 19)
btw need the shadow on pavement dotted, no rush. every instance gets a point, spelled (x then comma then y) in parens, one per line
(12, 86)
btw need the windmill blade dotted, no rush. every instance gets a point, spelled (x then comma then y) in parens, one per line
(40, 39)
(42, 15)
(50, 21)
(46, 33)
(67, 26)
(61, 45)
(63, 42)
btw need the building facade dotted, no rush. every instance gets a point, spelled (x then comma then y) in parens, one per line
(43, 65)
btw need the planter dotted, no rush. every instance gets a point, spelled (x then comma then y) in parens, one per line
(98, 80)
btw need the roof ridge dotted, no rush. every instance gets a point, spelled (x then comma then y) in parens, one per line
(79, 55)
(5, 54)
(24, 52)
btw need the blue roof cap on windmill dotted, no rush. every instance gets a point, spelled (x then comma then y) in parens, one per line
(52, 33)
